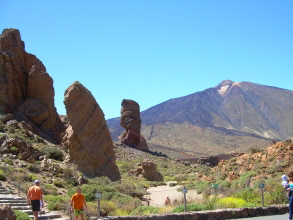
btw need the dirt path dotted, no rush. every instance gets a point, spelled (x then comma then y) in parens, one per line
(159, 193)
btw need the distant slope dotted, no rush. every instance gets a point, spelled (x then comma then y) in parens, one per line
(230, 116)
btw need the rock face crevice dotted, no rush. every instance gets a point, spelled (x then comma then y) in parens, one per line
(130, 120)
(26, 89)
(87, 137)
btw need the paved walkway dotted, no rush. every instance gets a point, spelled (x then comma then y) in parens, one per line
(271, 217)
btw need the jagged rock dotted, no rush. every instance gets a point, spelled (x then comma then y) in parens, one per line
(7, 213)
(88, 138)
(130, 120)
(26, 90)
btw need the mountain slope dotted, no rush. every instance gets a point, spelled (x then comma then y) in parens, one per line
(213, 120)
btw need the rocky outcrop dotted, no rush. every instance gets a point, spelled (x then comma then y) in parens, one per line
(130, 120)
(16, 145)
(26, 89)
(147, 170)
(87, 137)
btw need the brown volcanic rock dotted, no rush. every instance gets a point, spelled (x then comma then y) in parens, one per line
(130, 120)
(150, 171)
(6, 213)
(88, 138)
(26, 88)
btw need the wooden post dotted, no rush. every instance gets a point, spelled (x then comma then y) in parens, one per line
(184, 191)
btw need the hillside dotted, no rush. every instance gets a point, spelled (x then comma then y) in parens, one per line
(230, 116)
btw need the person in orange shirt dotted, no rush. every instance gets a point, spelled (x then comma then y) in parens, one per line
(78, 204)
(35, 198)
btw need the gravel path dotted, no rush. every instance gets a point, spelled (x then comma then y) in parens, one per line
(159, 193)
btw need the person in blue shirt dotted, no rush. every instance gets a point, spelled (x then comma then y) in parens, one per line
(289, 191)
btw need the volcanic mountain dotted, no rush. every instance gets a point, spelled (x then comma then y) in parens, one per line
(232, 116)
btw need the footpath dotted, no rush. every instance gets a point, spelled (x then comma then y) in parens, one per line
(8, 197)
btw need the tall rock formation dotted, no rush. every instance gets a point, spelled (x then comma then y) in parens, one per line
(130, 120)
(87, 137)
(26, 88)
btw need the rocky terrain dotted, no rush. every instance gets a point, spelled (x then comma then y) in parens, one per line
(27, 104)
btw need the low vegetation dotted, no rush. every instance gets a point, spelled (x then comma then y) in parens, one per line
(237, 180)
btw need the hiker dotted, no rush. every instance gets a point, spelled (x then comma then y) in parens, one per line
(285, 183)
(78, 204)
(35, 198)
(289, 191)
(167, 200)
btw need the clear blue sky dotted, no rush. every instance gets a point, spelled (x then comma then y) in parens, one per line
(154, 50)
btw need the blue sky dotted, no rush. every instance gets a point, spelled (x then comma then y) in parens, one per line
(152, 51)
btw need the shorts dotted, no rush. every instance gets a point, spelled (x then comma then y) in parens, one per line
(78, 212)
(36, 205)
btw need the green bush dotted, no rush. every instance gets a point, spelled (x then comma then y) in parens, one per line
(56, 202)
(231, 202)
(2, 175)
(250, 195)
(172, 184)
(32, 177)
(145, 210)
(59, 183)
(255, 150)
(21, 215)
(14, 149)
(195, 207)
(55, 153)
(180, 178)
(50, 189)
(34, 168)
(8, 161)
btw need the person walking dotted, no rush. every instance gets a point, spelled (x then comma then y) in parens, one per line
(35, 198)
(289, 190)
(78, 204)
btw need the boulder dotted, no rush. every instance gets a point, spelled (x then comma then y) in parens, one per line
(147, 170)
(130, 120)
(87, 137)
(7, 213)
(26, 90)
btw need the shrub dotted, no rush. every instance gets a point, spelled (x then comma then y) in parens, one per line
(107, 207)
(8, 161)
(255, 150)
(129, 188)
(172, 184)
(231, 202)
(194, 207)
(180, 178)
(14, 149)
(2, 176)
(56, 202)
(55, 153)
(59, 183)
(144, 210)
(32, 177)
(21, 215)
(34, 168)
(250, 195)
(50, 189)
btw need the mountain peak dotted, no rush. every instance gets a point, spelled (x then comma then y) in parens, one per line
(225, 83)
